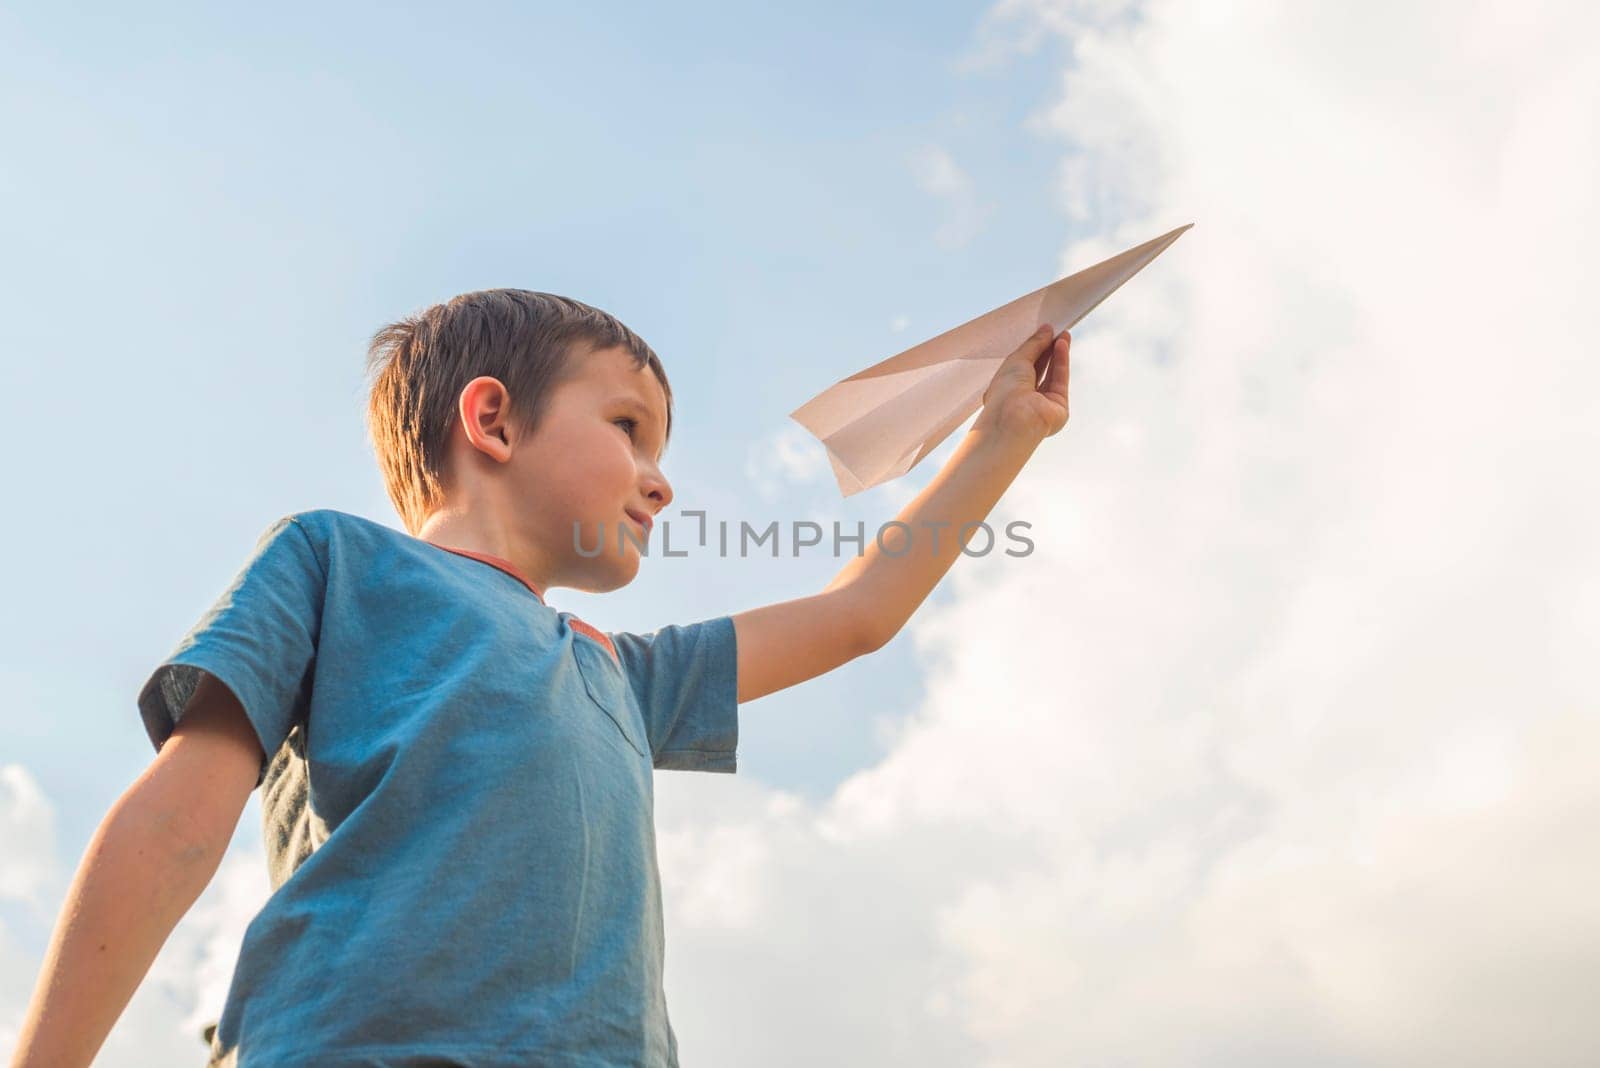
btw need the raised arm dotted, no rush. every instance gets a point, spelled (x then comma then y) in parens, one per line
(871, 598)
(149, 860)
(784, 644)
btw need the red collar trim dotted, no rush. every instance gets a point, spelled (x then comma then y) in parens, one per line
(509, 568)
(594, 632)
(493, 561)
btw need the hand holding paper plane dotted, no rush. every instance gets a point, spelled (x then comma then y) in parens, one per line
(878, 423)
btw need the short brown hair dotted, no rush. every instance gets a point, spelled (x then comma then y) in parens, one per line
(419, 366)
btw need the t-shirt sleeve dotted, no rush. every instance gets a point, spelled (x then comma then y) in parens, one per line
(686, 680)
(259, 639)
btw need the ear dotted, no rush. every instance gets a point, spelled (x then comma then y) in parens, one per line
(485, 411)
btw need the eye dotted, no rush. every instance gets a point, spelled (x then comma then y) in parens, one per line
(633, 425)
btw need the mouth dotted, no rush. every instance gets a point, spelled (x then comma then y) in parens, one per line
(643, 520)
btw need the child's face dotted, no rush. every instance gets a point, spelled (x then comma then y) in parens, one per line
(593, 460)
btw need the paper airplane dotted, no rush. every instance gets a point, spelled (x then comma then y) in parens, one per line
(878, 423)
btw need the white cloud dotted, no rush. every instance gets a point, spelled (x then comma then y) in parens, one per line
(16, 982)
(789, 456)
(1019, 27)
(27, 826)
(1278, 749)
(30, 877)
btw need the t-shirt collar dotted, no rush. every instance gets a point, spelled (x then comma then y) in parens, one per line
(493, 561)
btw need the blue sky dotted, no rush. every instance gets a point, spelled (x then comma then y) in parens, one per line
(207, 213)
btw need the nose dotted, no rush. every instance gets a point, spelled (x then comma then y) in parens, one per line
(656, 489)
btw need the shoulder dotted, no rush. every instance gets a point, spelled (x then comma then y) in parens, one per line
(331, 533)
(325, 524)
(325, 531)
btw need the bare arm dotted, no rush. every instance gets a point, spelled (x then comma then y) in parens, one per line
(147, 863)
(784, 644)
(871, 598)
(891, 582)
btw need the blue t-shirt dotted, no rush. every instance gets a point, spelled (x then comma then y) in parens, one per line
(457, 804)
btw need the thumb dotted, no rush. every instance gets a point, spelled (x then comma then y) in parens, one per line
(1025, 359)
(1020, 370)
(1035, 344)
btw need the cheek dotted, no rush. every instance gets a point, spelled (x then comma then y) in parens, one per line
(611, 460)
(600, 466)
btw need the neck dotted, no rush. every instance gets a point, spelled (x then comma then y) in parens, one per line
(481, 530)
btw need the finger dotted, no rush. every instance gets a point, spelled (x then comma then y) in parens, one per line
(1036, 343)
(1055, 380)
(1041, 365)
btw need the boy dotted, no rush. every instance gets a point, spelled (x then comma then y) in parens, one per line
(457, 777)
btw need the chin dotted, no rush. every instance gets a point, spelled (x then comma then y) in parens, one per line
(623, 572)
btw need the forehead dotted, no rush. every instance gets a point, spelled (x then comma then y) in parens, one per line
(609, 374)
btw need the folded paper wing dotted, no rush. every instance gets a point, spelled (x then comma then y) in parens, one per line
(877, 424)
